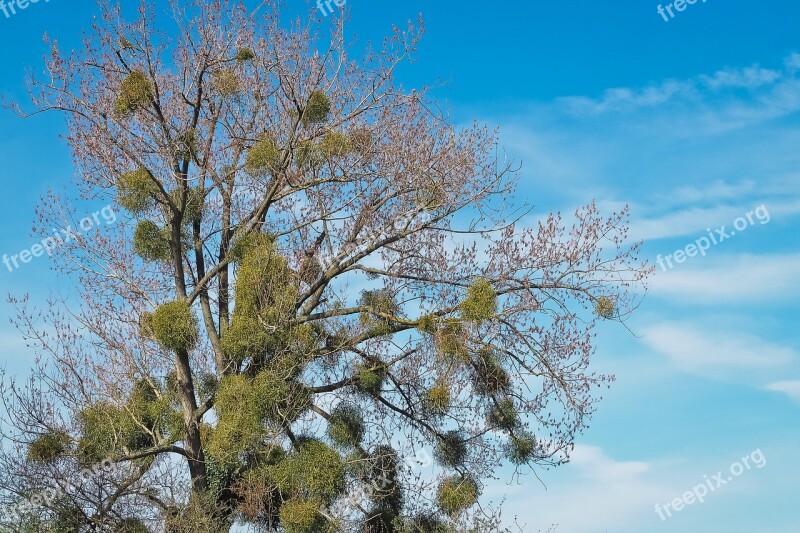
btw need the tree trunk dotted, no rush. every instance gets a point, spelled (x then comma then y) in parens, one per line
(192, 444)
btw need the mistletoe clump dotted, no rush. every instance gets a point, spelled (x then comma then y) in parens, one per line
(521, 448)
(264, 157)
(131, 525)
(335, 144)
(244, 55)
(605, 308)
(481, 302)
(346, 426)
(150, 242)
(135, 91)
(456, 494)
(193, 208)
(225, 82)
(299, 515)
(317, 109)
(489, 377)
(438, 397)
(253, 410)
(266, 291)
(174, 326)
(380, 307)
(48, 447)
(136, 190)
(503, 414)
(370, 377)
(451, 341)
(451, 449)
(312, 469)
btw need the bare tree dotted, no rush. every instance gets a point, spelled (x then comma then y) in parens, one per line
(313, 279)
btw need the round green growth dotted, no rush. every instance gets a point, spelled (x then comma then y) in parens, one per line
(207, 383)
(154, 410)
(251, 242)
(317, 109)
(301, 516)
(251, 410)
(245, 337)
(451, 449)
(174, 326)
(48, 447)
(605, 308)
(521, 448)
(264, 157)
(361, 140)
(225, 82)
(385, 490)
(380, 307)
(380, 520)
(125, 43)
(335, 144)
(266, 288)
(503, 414)
(312, 469)
(481, 301)
(131, 525)
(490, 378)
(456, 494)
(150, 242)
(451, 341)
(430, 195)
(370, 377)
(346, 426)
(135, 91)
(202, 514)
(379, 302)
(244, 55)
(308, 155)
(438, 398)
(105, 428)
(427, 324)
(425, 523)
(240, 424)
(136, 190)
(66, 518)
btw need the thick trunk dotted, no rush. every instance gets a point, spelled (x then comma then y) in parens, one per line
(192, 444)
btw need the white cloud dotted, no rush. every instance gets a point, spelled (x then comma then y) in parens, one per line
(716, 351)
(740, 279)
(742, 78)
(610, 495)
(628, 99)
(790, 388)
(691, 221)
(624, 98)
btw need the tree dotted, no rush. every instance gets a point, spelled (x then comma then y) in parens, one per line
(313, 277)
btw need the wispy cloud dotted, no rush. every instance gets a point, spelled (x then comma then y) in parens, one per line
(790, 388)
(626, 99)
(611, 494)
(727, 279)
(716, 351)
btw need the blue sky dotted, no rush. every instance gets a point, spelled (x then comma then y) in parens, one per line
(693, 123)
